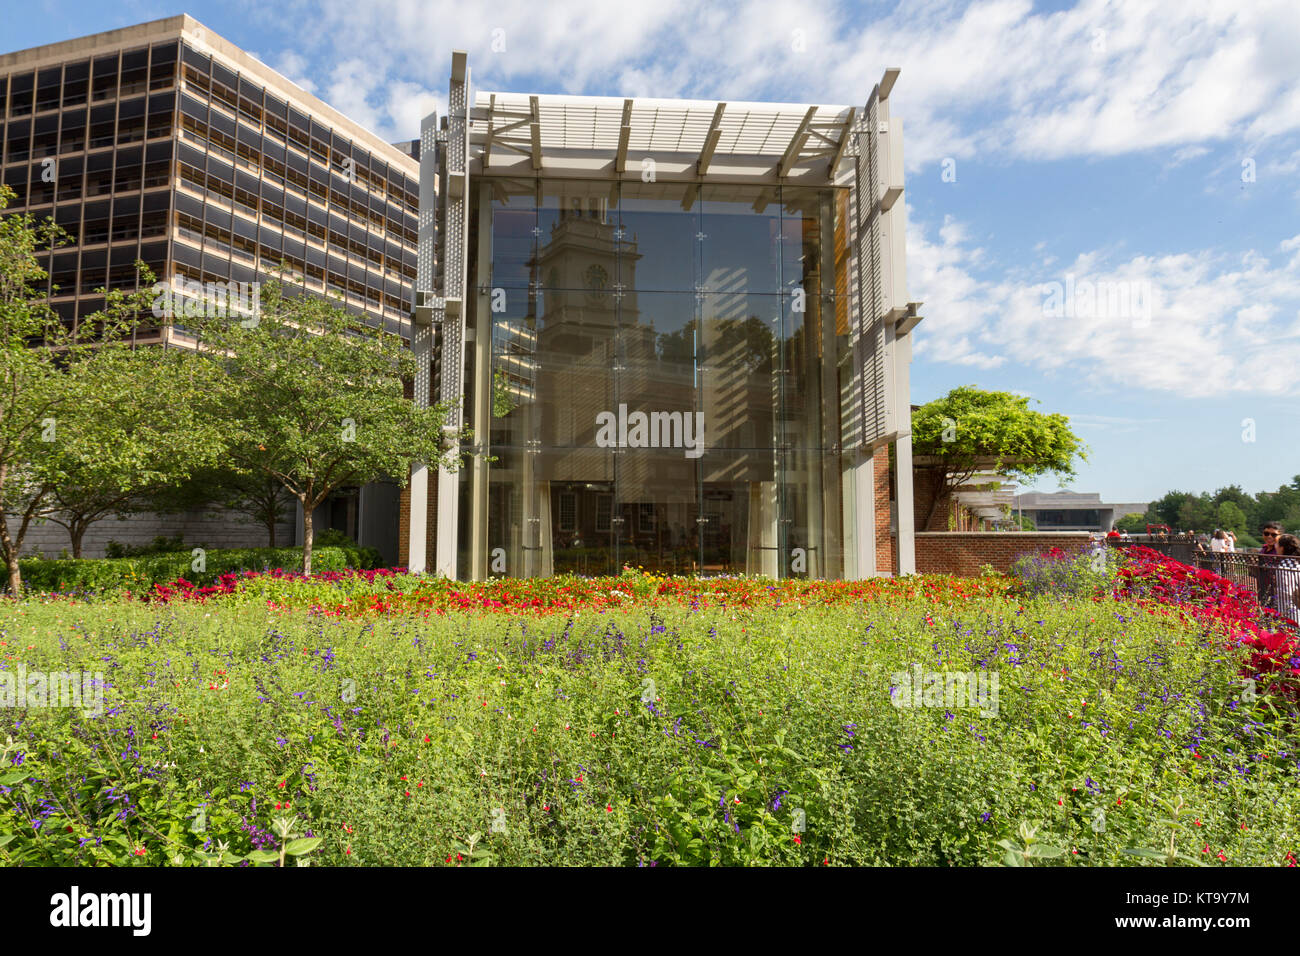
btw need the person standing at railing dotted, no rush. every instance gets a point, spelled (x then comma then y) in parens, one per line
(1266, 577)
(1231, 546)
(1219, 543)
(1288, 577)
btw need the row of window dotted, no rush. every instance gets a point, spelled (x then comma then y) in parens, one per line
(73, 178)
(214, 271)
(118, 76)
(24, 140)
(331, 271)
(76, 83)
(316, 224)
(313, 180)
(259, 107)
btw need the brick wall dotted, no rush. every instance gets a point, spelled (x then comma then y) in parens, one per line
(886, 560)
(921, 494)
(963, 552)
(404, 524)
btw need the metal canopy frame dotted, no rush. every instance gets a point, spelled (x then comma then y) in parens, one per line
(595, 134)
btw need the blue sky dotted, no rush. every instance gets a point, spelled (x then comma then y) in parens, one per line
(1152, 145)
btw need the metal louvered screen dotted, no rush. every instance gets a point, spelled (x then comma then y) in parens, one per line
(873, 381)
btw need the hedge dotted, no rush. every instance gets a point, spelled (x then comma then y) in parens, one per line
(108, 574)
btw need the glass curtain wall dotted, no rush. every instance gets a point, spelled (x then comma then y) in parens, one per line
(664, 379)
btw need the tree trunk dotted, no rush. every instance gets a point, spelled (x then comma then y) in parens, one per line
(270, 532)
(7, 546)
(11, 559)
(77, 531)
(306, 538)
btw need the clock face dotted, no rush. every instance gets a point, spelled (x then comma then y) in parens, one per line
(597, 282)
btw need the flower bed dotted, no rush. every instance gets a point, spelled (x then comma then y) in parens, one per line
(1202, 598)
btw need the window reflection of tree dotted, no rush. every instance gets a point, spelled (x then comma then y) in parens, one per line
(750, 340)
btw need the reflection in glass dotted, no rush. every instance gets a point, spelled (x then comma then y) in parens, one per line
(665, 384)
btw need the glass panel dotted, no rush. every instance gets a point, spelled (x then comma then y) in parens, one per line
(659, 247)
(514, 233)
(739, 249)
(739, 352)
(20, 94)
(577, 247)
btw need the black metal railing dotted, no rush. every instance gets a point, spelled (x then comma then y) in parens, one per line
(1275, 579)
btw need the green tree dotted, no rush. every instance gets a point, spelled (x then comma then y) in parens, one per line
(970, 431)
(313, 399)
(1229, 517)
(1135, 523)
(136, 424)
(32, 382)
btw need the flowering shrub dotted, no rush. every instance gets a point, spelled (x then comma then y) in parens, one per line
(394, 591)
(637, 720)
(1207, 600)
(1064, 574)
(111, 576)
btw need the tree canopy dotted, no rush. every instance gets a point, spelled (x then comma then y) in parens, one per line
(313, 399)
(971, 430)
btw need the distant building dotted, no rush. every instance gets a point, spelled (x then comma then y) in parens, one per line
(1072, 510)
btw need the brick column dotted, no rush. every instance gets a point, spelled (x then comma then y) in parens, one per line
(885, 561)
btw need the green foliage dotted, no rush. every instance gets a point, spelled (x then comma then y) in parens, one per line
(334, 538)
(482, 739)
(970, 430)
(140, 573)
(159, 545)
(1229, 508)
(502, 403)
(1135, 523)
(318, 402)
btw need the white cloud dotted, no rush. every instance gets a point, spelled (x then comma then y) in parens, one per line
(991, 78)
(1186, 323)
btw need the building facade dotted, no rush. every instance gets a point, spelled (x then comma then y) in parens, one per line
(166, 143)
(678, 332)
(1073, 510)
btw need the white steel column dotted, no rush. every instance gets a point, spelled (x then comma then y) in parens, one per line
(454, 237)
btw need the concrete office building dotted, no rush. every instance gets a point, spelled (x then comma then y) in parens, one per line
(681, 329)
(167, 143)
(1073, 510)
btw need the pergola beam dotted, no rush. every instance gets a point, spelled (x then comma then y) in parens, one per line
(711, 140)
(796, 143)
(535, 127)
(624, 137)
(844, 142)
(887, 81)
(487, 143)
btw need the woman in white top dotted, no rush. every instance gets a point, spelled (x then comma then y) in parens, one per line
(1219, 542)
(1231, 545)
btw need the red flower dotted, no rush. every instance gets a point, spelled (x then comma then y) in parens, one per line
(608, 808)
(798, 840)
